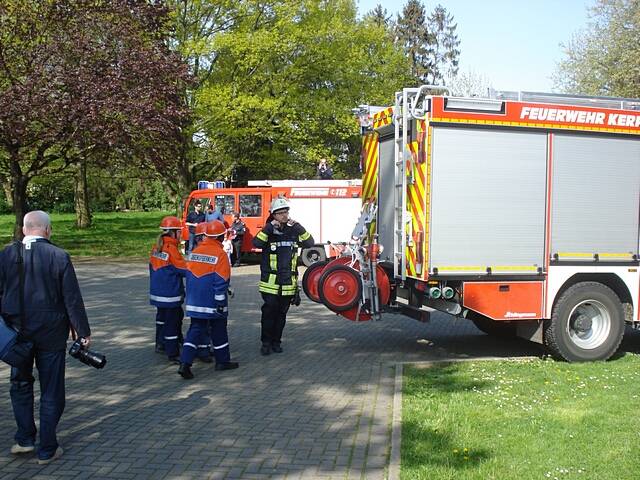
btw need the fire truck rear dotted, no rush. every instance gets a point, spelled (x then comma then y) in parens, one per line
(519, 211)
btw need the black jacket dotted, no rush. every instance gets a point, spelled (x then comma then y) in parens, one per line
(278, 265)
(52, 297)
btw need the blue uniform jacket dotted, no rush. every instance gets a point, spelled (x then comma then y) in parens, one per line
(52, 297)
(208, 273)
(167, 268)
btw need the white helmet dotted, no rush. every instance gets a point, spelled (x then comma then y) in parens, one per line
(279, 203)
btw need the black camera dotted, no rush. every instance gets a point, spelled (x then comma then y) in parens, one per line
(93, 359)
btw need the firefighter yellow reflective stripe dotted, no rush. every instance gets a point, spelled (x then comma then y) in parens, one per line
(262, 236)
(273, 262)
(276, 290)
(304, 236)
(269, 288)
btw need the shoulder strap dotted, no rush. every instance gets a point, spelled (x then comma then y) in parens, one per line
(20, 262)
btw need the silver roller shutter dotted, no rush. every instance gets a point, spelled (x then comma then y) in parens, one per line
(488, 200)
(596, 187)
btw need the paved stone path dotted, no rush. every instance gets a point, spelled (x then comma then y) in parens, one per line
(322, 409)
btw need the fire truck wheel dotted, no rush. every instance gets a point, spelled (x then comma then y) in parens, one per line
(312, 255)
(586, 324)
(340, 288)
(491, 327)
(311, 279)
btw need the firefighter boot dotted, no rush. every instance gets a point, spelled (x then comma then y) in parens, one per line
(265, 349)
(276, 348)
(226, 366)
(185, 371)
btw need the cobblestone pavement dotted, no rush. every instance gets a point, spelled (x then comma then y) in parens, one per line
(321, 409)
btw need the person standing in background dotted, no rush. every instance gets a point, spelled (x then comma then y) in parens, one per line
(324, 170)
(239, 228)
(193, 219)
(167, 269)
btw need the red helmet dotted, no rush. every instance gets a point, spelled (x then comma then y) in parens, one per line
(215, 228)
(170, 223)
(201, 228)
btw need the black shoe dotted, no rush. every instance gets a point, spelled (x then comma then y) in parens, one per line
(227, 366)
(185, 371)
(276, 348)
(174, 359)
(265, 349)
(206, 359)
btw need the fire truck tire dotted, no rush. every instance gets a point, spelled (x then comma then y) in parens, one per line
(312, 254)
(340, 288)
(491, 327)
(311, 279)
(587, 323)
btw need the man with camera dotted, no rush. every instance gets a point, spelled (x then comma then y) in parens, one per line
(279, 241)
(37, 270)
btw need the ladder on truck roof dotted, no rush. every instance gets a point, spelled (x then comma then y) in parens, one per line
(564, 99)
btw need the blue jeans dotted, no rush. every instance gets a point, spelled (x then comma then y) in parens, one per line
(50, 367)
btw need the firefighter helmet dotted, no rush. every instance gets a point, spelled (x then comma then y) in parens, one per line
(214, 228)
(279, 203)
(200, 228)
(170, 223)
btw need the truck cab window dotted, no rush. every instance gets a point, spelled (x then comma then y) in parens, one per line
(250, 205)
(225, 203)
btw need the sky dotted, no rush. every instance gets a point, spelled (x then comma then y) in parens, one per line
(513, 44)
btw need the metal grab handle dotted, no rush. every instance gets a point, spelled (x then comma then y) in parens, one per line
(413, 109)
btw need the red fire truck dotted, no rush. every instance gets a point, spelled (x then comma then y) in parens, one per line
(519, 211)
(328, 209)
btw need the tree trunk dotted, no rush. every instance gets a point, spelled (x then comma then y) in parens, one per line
(81, 196)
(19, 193)
(7, 189)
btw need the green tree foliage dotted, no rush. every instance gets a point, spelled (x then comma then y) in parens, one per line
(379, 17)
(605, 58)
(286, 79)
(81, 80)
(197, 23)
(412, 34)
(444, 51)
(431, 43)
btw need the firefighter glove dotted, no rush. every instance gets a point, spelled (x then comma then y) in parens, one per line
(295, 299)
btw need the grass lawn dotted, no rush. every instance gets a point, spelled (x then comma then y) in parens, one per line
(529, 419)
(122, 234)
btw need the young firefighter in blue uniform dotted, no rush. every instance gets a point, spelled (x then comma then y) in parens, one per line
(279, 241)
(208, 273)
(167, 268)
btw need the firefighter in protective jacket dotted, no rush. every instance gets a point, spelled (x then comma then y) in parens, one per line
(279, 241)
(167, 269)
(208, 273)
